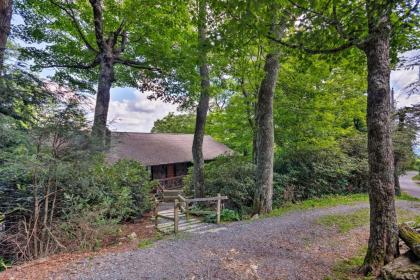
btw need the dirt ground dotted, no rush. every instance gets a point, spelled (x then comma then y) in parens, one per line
(42, 268)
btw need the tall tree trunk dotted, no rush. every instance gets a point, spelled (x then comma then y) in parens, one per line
(5, 24)
(106, 77)
(203, 105)
(265, 135)
(383, 239)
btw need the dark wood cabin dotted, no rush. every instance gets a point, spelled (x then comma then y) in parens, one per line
(166, 155)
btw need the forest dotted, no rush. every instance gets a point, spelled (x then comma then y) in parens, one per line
(301, 91)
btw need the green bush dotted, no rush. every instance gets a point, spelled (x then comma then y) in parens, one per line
(233, 177)
(310, 173)
(298, 175)
(226, 215)
(121, 190)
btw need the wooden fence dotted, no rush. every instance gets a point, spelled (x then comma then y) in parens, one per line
(171, 183)
(182, 204)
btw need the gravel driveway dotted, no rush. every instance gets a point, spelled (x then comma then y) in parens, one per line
(289, 247)
(408, 185)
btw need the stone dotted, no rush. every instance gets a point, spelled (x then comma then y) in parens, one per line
(406, 267)
(132, 236)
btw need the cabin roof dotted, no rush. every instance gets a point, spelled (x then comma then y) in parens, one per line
(160, 148)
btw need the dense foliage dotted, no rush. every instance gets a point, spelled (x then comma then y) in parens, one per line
(298, 175)
(57, 192)
(54, 186)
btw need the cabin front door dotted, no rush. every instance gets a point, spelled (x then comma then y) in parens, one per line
(170, 171)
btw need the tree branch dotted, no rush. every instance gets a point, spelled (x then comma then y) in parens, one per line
(97, 19)
(136, 64)
(72, 16)
(314, 51)
(75, 66)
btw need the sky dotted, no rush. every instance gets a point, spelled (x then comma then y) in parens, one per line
(131, 111)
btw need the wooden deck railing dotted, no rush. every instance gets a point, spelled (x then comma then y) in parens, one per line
(171, 183)
(182, 204)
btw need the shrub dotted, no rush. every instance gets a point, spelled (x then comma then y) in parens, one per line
(233, 177)
(121, 190)
(298, 175)
(226, 215)
(86, 230)
(309, 173)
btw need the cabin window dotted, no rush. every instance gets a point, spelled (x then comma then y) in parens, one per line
(181, 169)
(159, 172)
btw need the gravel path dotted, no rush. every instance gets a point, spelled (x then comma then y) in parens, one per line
(289, 247)
(408, 185)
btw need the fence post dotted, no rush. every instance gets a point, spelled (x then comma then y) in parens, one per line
(176, 216)
(156, 215)
(187, 211)
(219, 201)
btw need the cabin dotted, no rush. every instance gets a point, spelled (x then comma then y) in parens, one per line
(166, 155)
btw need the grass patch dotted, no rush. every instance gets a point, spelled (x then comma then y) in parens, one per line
(346, 222)
(358, 218)
(146, 243)
(323, 202)
(416, 178)
(408, 197)
(348, 269)
(406, 215)
(330, 201)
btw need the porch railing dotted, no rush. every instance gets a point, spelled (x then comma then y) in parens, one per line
(171, 183)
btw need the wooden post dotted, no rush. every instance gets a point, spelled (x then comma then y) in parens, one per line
(219, 201)
(156, 215)
(187, 211)
(176, 216)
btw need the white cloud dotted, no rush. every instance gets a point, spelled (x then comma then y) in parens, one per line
(400, 79)
(138, 114)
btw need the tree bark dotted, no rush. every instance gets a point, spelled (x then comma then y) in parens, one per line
(106, 77)
(203, 105)
(265, 135)
(383, 239)
(396, 176)
(5, 25)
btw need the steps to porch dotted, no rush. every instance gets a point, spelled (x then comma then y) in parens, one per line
(170, 195)
(192, 225)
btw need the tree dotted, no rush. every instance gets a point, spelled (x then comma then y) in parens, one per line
(371, 28)
(264, 126)
(5, 24)
(172, 123)
(104, 42)
(203, 104)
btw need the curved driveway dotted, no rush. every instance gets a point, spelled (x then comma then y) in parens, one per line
(408, 185)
